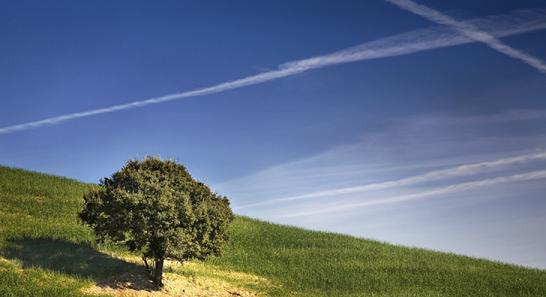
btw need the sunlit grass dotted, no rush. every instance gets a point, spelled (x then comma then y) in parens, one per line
(45, 251)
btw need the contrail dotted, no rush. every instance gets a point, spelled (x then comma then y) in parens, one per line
(534, 175)
(401, 44)
(462, 170)
(470, 31)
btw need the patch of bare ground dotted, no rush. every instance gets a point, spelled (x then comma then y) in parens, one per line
(139, 285)
(191, 279)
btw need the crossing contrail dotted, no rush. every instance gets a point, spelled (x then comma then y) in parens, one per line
(462, 170)
(516, 22)
(534, 175)
(470, 31)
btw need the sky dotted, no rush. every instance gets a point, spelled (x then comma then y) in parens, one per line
(421, 124)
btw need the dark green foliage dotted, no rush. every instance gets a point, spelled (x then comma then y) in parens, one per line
(156, 208)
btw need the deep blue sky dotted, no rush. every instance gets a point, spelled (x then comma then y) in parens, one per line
(355, 123)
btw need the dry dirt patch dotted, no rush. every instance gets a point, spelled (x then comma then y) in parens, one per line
(138, 285)
(203, 281)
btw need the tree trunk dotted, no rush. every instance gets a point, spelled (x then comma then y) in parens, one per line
(158, 274)
(147, 266)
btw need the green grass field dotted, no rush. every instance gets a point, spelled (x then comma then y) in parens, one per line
(44, 251)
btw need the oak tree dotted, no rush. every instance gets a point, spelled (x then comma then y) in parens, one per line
(154, 207)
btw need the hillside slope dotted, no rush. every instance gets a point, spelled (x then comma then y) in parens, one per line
(44, 251)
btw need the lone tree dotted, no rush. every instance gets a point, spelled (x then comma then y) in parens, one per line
(157, 209)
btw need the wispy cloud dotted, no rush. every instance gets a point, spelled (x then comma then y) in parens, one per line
(402, 44)
(534, 175)
(470, 31)
(467, 169)
(473, 222)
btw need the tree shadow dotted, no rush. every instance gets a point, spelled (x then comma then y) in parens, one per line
(78, 260)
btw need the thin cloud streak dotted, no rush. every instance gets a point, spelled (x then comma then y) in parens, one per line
(470, 31)
(401, 44)
(534, 175)
(467, 169)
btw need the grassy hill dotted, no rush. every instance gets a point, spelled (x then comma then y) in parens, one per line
(44, 251)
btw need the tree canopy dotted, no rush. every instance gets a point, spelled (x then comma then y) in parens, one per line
(155, 207)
